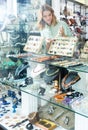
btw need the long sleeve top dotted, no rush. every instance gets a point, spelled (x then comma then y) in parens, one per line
(51, 32)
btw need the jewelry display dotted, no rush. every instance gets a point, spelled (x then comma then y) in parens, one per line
(45, 69)
(41, 91)
(14, 38)
(72, 97)
(80, 67)
(69, 79)
(41, 59)
(20, 55)
(8, 117)
(46, 124)
(39, 69)
(84, 51)
(33, 117)
(58, 115)
(59, 97)
(56, 85)
(67, 120)
(29, 126)
(4, 37)
(63, 46)
(29, 80)
(44, 58)
(51, 109)
(34, 44)
(19, 123)
(51, 74)
(66, 62)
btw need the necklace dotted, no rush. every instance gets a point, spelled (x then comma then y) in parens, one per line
(47, 72)
(4, 37)
(14, 37)
(36, 71)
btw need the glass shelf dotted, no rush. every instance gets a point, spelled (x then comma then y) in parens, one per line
(73, 106)
(69, 63)
(76, 105)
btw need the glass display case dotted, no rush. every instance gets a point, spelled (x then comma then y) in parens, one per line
(52, 84)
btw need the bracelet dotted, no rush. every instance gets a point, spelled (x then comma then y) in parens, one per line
(29, 126)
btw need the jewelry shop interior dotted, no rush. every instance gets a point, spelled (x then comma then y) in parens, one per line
(43, 65)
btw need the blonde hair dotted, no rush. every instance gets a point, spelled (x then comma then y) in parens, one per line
(41, 23)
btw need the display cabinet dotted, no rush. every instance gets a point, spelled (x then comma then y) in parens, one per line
(56, 101)
(43, 93)
(44, 89)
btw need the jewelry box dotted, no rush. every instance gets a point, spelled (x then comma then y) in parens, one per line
(34, 44)
(64, 46)
(84, 52)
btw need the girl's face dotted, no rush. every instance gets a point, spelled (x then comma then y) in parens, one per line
(47, 17)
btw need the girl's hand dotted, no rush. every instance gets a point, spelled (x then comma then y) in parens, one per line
(50, 40)
(48, 43)
(61, 32)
